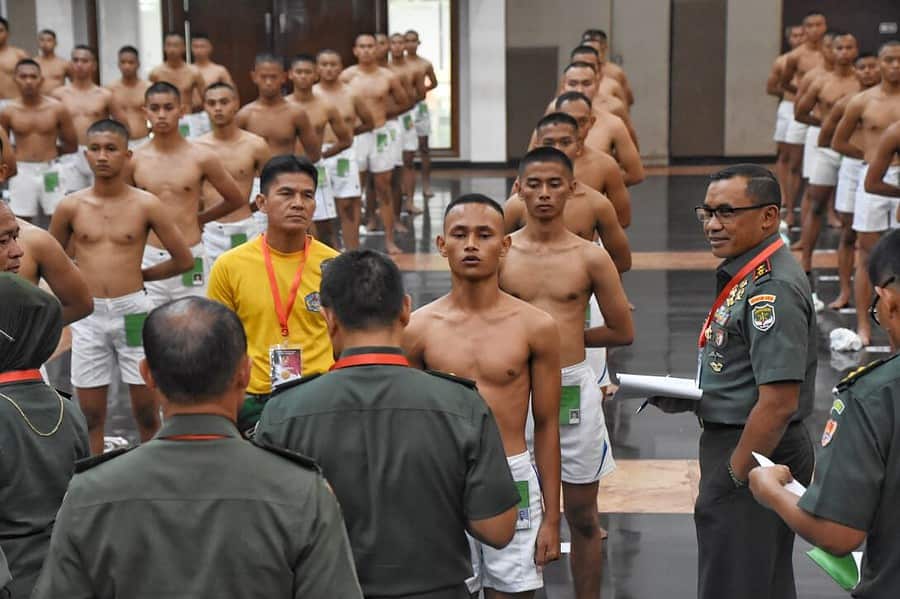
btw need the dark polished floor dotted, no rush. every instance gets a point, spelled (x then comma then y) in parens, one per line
(648, 555)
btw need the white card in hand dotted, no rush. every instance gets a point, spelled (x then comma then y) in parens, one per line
(793, 486)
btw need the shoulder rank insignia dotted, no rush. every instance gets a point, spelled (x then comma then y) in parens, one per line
(88, 463)
(762, 270)
(294, 383)
(452, 377)
(299, 458)
(858, 373)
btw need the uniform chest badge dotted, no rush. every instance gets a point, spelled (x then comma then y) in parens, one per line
(763, 316)
(720, 337)
(828, 433)
(716, 363)
(722, 315)
(313, 303)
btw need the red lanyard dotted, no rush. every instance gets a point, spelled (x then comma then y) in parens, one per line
(18, 376)
(282, 311)
(748, 268)
(370, 360)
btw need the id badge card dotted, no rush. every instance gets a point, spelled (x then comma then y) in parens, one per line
(285, 363)
(184, 130)
(51, 181)
(322, 180)
(407, 122)
(343, 167)
(523, 519)
(238, 239)
(570, 405)
(194, 277)
(134, 327)
(381, 142)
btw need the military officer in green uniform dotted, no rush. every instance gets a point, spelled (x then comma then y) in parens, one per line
(415, 458)
(856, 489)
(198, 511)
(756, 367)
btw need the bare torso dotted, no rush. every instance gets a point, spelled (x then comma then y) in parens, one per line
(778, 69)
(879, 112)
(35, 128)
(807, 59)
(9, 56)
(186, 77)
(274, 123)
(241, 158)
(316, 109)
(341, 98)
(54, 71)
(212, 73)
(834, 87)
(127, 106)
(29, 238)
(420, 68)
(87, 106)
(373, 87)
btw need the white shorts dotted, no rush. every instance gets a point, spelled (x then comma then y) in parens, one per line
(783, 118)
(112, 333)
(218, 237)
(194, 124)
(36, 184)
(134, 144)
(325, 209)
(796, 132)
(512, 569)
(76, 174)
(261, 218)
(191, 283)
(874, 213)
(848, 182)
(408, 127)
(825, 172)
(396, 130)
(810, 151)
(596, 356)
(343, 174)
(583, 439)
(374, 151)
(423, 119)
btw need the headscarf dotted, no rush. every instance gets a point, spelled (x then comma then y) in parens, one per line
(30, 324)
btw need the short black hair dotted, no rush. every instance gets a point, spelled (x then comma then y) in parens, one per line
(162, 87)
(572, 96)
(557, 118)
(27, 62)
(199, 35)
(286, 163)
(473, 198)
(218, 85)
(579, 64)
(5, 23)
(267, 58)
(584, 50)
(412, 32)
(888, 44)
(321, 53)
(303, 57)
(762, 186)
(364, 288)
(862, 55)
(193, 347)
(359, 35)
(814, 13)
(545, 154)
(86, 48)
(594, 34)
(49, 32)
(177, 34)
(109, 126)
(884, 261)
(129, 50)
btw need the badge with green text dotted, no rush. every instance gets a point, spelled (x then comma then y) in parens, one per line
(134, 327)
(523, 520)
(194, 277)
(570, 405)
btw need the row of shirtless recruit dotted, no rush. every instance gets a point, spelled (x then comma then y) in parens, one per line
(156, 220)
(838, 128)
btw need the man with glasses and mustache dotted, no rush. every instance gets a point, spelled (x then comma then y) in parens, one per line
(856, 486)
(757, 369)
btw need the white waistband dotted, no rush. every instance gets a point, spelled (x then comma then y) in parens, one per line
(112, 304)
(575, 369)
(520, 459)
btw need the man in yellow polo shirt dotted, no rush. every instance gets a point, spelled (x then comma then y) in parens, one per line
(272, 283)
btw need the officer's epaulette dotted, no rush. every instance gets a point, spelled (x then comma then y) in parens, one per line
(88, 463)
(452, 377)
(762, 271)
(299, 458)
(294, 383)
(858, 374)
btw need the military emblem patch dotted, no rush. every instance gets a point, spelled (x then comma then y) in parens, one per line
(715, 362)
(720, 337)
(828, 433)
(762, 270)
(763, 317)
(313, 303)
(838, 407)
(756, 299)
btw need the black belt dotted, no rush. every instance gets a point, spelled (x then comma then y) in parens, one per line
(719, 426)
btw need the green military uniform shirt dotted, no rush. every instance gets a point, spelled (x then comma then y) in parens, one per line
(765, 332)
(34, 473)
(857, 480)
(199, 518)
(411, 456)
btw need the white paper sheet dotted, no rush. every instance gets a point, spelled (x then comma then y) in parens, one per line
(793, 486)
(639, 385)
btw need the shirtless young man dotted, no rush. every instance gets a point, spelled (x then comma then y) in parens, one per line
(374, 84)
(88, 103)
(545, 250)
(814, 107)
(127, 103)
(243, 154)
(584, 77)
(37, 121)
(187, 79)
(871, 113)
(598, 170)
(201, 53)
(425, 69)
(174, 170)
(511, 350)
(343, 168)
(413, 80)
(321, 113)
(382, 49)
(105, 227)
(869, 75)
(797, 63)
(597, 39)
(785, 113)
(54, 68)
(9, 58)
(606, 86)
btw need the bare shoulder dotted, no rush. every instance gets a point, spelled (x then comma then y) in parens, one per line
(35, 238)
(595, 255)
(146, 199)
(538, 323)
(427, 313)
(206, 139)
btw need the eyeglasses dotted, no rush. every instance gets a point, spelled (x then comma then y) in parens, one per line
(724, 213)
(872, 309)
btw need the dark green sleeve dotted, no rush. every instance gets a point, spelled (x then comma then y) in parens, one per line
(63, 574)
(490, 489)
(778, 349)
(850, 468)
(326, 568)
(269, 432)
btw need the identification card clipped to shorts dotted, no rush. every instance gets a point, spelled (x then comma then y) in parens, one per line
(381, 142)
(422, 108)
(570, 405)
(51, 181)
(322, 179)
(134, 328)
(194, 277)
(343, 167)
(184, 130)
(238, 239)
(407, 121)
(523, 519)
(285, 363)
